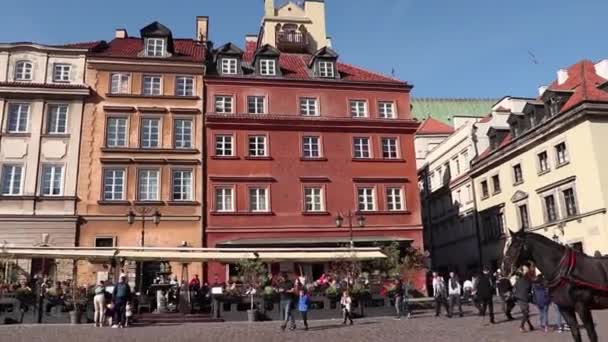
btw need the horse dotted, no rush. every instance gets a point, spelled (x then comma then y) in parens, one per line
(577, 283)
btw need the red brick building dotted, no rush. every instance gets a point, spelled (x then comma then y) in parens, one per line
(294, 139)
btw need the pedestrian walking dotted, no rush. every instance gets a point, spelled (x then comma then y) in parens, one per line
(439, 294)
(485, 292)
(407, 286)
(467, 291)
(287, 291)
(505, 292)
(120, 296)
(303, 306)
(99, 302)
(346, 304)
(523, 292)
(398, 297)
(454, 292)
(542, 301)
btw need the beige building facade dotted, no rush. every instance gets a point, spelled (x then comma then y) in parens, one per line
(546, 172)
(42, 94)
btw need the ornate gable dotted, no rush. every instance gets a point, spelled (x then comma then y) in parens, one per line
(519, 196)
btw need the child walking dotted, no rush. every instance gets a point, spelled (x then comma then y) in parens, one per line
(303, 305)
(346, 303)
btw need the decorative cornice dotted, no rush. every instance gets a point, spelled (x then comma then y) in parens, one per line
(192, 111)
(243, 179)
(152, 109)
(556, 184)
(149, 150)
(122, 109)
(380, 180)
(313, 179)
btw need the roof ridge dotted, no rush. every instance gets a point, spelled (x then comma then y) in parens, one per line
(372, 72)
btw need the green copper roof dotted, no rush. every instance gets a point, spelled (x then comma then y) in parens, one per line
(444, 109)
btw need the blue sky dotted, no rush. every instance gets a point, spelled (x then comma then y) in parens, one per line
(447, 48)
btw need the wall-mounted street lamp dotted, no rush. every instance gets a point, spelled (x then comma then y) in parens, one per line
(360, 221)
(144, 213)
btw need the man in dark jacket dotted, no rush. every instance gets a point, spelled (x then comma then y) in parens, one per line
(485, 291)
(505, 291)
(121, 295)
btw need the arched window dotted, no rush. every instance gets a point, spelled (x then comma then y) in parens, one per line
(23, 71)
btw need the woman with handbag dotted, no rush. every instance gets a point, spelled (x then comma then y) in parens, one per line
(346, 303)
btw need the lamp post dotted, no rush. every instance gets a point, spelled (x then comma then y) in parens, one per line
(350, 216)
(144, 213)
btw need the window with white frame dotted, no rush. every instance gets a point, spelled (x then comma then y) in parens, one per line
(268, 67)
(389, 148)
(361, 147)
(394, 199)
(155, 47)
(311, 147)
(104, 242)
(184, 86)
(116, 132)
(496, 184)
(326, 69)
(469, 193)
(224, 145)
(358, 108)
(18, 118)
(224, 199)
(255, 104)
(550, 208)
(152, 85)
(257, 146)
(52, 180)
(223, 104)
(313, 199)
(485, 190)
(518, 175)
(457, 168)
(61, 72)
(524, 218)
(386, 109)
(229, 66)
(120, 83)
(148, 185)
(57, 119)
(561, 153)
(309, 106)
(114, 184)
(543, 162)
(366, 199)
(12, 179)
(24, 71)
(150, 133)
(182, 185)
(570, 202)
(182, 133)
(258, 199)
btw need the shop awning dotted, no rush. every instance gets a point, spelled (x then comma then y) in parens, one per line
(227, 255)
(311, 241)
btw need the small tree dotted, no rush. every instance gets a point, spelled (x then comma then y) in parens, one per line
(252, 272)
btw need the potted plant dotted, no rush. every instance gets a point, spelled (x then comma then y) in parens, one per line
(252, 271)
(76, 304)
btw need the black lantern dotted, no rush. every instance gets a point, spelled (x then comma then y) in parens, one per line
(339, 220)
(131, 217)
(157, 216)
(361, 220)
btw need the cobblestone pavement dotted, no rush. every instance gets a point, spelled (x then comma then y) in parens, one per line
(423, 327)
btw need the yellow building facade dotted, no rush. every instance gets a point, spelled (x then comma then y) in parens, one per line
(547, 173)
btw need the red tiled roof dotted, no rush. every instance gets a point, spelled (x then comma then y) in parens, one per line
(185, 49)
(295, 66)
(584, 82)
(432, 126)
(82, 45)
(44, 85)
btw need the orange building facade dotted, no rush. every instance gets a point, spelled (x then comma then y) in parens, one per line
(142, 148)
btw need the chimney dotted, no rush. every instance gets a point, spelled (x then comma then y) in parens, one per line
(329, 42)
(562, 76)
(202, 28)
(251, 42)
(269, 8)
(601, 68)
(541, 90)
(121, 33)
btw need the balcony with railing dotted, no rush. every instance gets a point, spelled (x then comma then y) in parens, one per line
(292, 41)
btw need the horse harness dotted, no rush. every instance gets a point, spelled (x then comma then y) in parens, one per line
(564, 275)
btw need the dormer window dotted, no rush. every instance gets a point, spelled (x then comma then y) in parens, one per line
(268, 67)
(325, 69)
(229, 66)
(23, 71)
(155, 47)
(554, 105)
